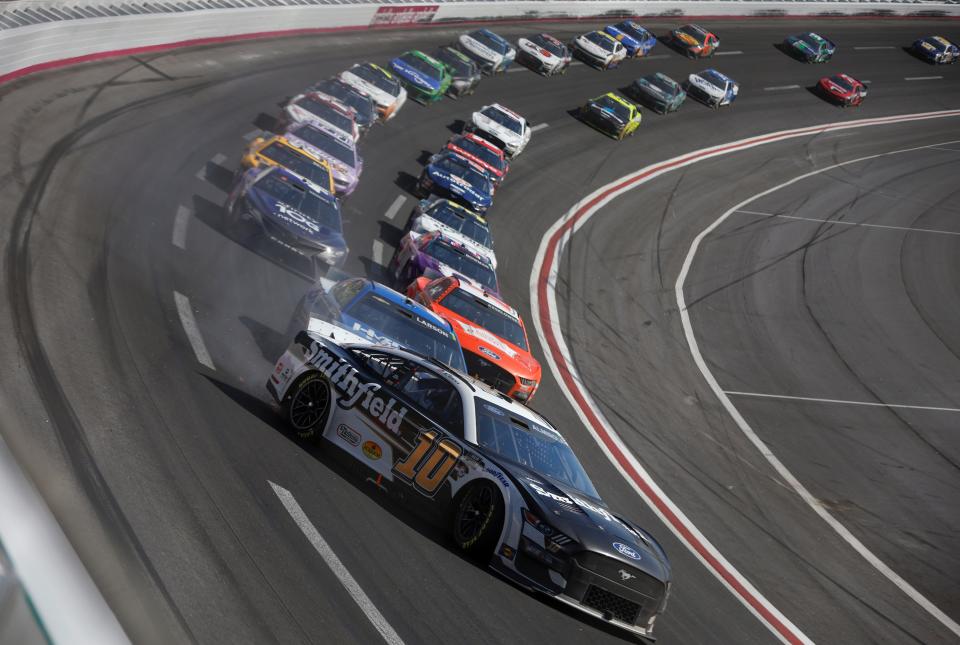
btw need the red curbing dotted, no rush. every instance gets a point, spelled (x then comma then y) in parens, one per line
(681, 526)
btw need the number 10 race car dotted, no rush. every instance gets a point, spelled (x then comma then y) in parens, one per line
(511, 489)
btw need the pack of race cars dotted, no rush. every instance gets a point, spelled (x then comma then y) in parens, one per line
(423, 381)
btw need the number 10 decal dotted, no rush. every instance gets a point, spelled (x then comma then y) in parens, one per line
(429, 463)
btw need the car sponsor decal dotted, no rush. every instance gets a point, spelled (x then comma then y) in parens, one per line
(499, 477)
(393, 15)
(348, 435)
(291, 214)
(372, 450)
(626, 550)
(487, 337)
(563, 499)
(489, 352)
(430, 462)
(346, 379)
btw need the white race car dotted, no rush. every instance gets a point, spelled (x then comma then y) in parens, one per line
(600, 49)
(455, 222)
(712, 88)
(544, 54)
(491, 52)
(310, 108)
(503, 127)
(379, 84)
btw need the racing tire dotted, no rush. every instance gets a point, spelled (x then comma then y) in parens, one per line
(477, 519)
(307, 405)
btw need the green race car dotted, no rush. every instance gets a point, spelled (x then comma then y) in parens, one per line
(425, 78)
(611, 114)
(810, 48)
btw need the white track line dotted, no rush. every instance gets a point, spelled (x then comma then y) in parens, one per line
(864, 49)
(920, 78)
(180, 223)
(755, 439)
(539, 127)
(863, 224)
(192, 331)
(734, 53)
(395, 207)
(781, 87)
(216, 160)
(811, 399)
(543, 281)
(378, 252)
(336, 565)
(654, 57)
(518, 68)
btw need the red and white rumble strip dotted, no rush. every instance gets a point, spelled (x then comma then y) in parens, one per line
(543, 281)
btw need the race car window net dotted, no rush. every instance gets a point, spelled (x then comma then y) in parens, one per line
(299, 163)
(327, 113)
(395, 324)
(462, 263)
(467, 225)
(482, 152)
(328, 143)
(503, 119)
(488, 39)
(484, 315)
(530, 445)
(322, 211)
(550, 45)
(420, 65)
(377, 79)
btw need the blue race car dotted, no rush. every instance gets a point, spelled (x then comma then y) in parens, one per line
(450, 175)
(635, 39)
(936, 49)
(291, 214)
(359, 310)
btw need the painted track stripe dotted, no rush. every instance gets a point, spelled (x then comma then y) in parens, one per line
(336, 565)
(733, 53)
(543, 282)
(748, 431)
(909, 229)
(217, 160)
(395, 207)
(180, 222)
(863, 49)
(378, 248)
(812, 399)
(921, 78)
(781, 87)
(192, 331)
(539, 127)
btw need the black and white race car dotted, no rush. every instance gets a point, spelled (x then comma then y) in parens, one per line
(544, 54)
(507, 482)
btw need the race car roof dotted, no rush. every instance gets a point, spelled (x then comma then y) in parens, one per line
(488, 298)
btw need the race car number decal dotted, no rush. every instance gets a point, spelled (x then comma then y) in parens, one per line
(429, 463)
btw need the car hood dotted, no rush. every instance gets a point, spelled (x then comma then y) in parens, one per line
(380, 97)
(293, 221)
(533, 48)
(706, 86)
(488, 124)
(607, 113)
(458, 186)
(415, 76)
(592, 47)
(506, 354)
(590, 523)
(482, 50)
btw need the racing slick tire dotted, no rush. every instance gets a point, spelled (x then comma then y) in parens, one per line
(477, 519)
(307, 405)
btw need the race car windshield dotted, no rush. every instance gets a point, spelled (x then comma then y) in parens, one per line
(477, 180)
(714, 78)
(531, 445)
(490, 40)
(461, 222)
(298, 163)
(462, 263)
(481, 152)
(323, 212)
(503, 119)
(420, 65)
(487, 316)
(636, 31)
(376, 78)
(810, 40)
(326, 112)
(460, 67)
(328, 143)
(616, 108)
(601, 40)
(551, 45)
(366, 111)
(405, 328)
(660, 81)
(842, 82)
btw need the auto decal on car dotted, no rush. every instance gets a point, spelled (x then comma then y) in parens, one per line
(372, 450)
(626, 550)
(292, 215)
(488, 338)
(489, 352)
(348, 434)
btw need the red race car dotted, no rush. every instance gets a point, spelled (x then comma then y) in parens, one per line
(842, 89)
(482, 153)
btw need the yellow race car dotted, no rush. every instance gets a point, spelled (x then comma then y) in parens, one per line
(611, 114)
(278, 151)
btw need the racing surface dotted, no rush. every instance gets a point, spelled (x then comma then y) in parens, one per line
(159, 466)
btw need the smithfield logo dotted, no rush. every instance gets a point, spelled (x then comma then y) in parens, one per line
(372, 450)
(628, 551)
(348, 435)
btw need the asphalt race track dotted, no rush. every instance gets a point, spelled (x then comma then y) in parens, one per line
(158, 459)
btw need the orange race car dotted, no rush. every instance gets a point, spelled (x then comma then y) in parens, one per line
(694, 41)
(278, 151)
(491, 333)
